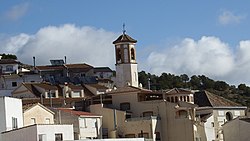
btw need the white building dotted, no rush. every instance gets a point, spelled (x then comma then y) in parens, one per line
(11, 114)
(126, 65)
(218, 111)
(36, 132)
(86, 125)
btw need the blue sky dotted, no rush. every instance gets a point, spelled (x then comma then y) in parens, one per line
(192, 37)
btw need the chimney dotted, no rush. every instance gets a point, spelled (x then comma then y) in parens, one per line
(34, 61)
(65, 59)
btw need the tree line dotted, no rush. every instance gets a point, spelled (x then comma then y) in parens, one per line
(239, 94)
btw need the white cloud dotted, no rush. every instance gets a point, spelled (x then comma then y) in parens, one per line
(209, 56)
(16, 12)
(79, 44)
(228, 17)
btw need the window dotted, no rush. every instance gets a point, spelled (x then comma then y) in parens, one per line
(33, 120)
(14, 123)
(148, 114)
(118, 54)
(125, 106)
(172, 99)
(176, 99)
(14, 84)
(42, 137)
(158, 136)
(229, 116)
(212, 123)
(132, 53)
(188, 99)
(47, 120)
(181, 98)
(168, 99)
(58, 137)
(9, 68)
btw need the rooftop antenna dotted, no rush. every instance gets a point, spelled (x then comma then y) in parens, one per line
(124, 31)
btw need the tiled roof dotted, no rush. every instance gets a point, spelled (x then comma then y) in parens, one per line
(78, 113)
(175, 91)
(9, 61)
(124, 38)
(29, 106)
(50, 68)
(97, 86)
(32, 89)
(78, 66)
(205, 98)
(102, 69)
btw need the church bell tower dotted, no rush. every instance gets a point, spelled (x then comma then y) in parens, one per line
(126, 65)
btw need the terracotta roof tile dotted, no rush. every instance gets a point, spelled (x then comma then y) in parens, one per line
(9, 61)
(78, 113)
(178, 91)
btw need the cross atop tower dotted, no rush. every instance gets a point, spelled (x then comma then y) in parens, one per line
(124, 31)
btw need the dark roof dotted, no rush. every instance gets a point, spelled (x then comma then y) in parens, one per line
(8, 61)
(205, 98)
(102, 69)
(175, 91)
(124, 38)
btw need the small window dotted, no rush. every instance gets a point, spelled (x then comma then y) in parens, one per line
(9, 68)
(168, 99)
(229, 116)
(42, 137)
(14, 84)
(14, 123)
(125, 106)
(33, 120)
(172, 99)
(176, 99)
(158, 136)
(59, 137)
(181, 98)
(212, 124)
(188, 99)
(132, 54)
(47, 120)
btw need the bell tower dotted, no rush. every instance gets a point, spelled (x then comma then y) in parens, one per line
(126, 65)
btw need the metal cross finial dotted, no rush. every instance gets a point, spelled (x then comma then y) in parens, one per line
(123, 28)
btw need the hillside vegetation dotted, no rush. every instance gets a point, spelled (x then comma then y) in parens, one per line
(239, 94)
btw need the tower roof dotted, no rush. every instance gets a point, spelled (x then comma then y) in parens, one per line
(124, 38)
